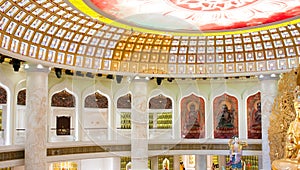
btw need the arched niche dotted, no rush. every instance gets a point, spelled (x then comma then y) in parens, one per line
(253, 106)
(10, 82)
(225, 112)
(21, 97)
(160, 102)
(250, 97)
(125, 163)
(124, 111)
(124, 102)
(96, 100)
(101, 90)
(166, 164)
(95, 117)
(161, 118)
(123, 116)
(3, 113)
(3, 96)
(128, 166)
(20, 116)
(62, 116)
(69, 87)
(63, 99)
(192, 111)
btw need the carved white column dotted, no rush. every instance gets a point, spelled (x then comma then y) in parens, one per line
(268, 94)
(139, 125)
(36, 117)
(116, 163)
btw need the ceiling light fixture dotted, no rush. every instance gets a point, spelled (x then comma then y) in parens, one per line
(119, 78)
(58, 72)
(109, 76)
(89, 74)
(16, 64)
(69, 72)
(159, 80)
(78, 73)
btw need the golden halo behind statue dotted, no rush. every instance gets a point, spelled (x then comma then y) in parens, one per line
(255, 104)
(228, 104)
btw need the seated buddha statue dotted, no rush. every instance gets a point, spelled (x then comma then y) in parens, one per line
(292, 151)
(193, 118)
(192, 124)
(226, 120)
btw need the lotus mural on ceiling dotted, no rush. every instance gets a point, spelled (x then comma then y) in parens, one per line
(197, 15)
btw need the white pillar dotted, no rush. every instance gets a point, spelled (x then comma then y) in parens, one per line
(177, 122)
(260, 162)
(18, 168)
(11, 109)
(116, 163)
(268, 94)
(36, 117)
(6, 126)
(139, 125)
(201, 162)
(80, 126)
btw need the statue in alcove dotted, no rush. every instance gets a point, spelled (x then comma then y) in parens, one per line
(128, 166)
(254, 116)
(225, 109)
(257, 117)
(166, 164)
(226, 120)
(193, 117)
(63, 125)
(192, 124)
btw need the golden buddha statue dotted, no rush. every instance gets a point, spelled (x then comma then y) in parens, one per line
(292, 153)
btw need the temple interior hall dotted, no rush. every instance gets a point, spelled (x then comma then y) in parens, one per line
(147, 84)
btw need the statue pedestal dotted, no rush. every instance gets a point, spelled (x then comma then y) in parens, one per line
(285, 164)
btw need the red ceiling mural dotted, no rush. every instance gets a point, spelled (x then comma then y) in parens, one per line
(203, 15)
(211, 5)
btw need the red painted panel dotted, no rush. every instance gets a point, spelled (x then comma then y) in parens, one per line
(192, 117)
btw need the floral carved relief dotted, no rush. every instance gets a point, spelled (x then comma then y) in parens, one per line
(96, 100)
(63, 99)
(124, 102)
(160, 102)
(3, 96)
(21, 99)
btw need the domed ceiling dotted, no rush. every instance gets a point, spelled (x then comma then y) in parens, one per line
(196, 15)
(166, 38)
